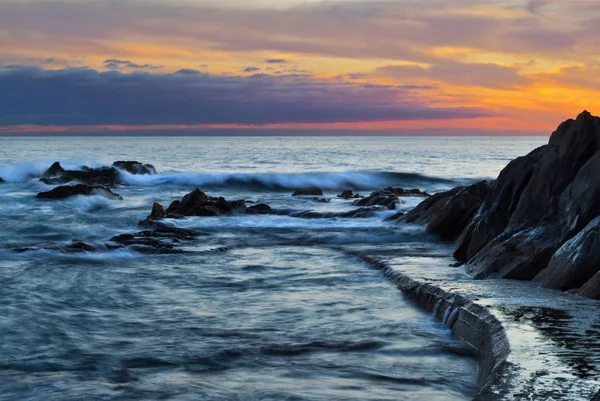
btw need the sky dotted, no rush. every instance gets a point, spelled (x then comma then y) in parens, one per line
(456, 67)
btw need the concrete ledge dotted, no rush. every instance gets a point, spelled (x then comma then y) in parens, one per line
(472, 323)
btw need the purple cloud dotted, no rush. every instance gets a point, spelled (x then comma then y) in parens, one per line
(32, 95)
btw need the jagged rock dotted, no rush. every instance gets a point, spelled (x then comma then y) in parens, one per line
(54, 170)
(197, 203)
(157, 213)
(310, 192)
(448, 213)
(67, 191)
(575, 262)
(349, 195)
(134, 167)
(379, 198)
(552, 192)
(259, 208)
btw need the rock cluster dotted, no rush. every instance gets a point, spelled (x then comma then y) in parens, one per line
(106, 176)
(197, 203)
(308, 192)
(539, 221)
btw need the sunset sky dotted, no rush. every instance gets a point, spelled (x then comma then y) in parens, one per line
(403, 66)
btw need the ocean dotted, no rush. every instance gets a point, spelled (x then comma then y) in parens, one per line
(260, 307)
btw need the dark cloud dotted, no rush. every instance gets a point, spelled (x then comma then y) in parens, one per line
(114, 64)
(275, 61)
(31, 95)
(251, 69)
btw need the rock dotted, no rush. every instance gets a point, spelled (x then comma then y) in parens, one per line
(54, 170)
(1, 180)
(56, 175)
(591, 289)
(197, 203)
(321, 200)
(238, 206)
(161, 240)
(575, 262)
(259, 208)
(106, 176)
(310, 192)
(348, 195)
(67, 191)
(448, 213)
(379, 198)
(157, 213)
(134, 167)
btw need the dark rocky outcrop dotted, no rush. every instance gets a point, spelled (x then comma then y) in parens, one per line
(448, 213)
(106, 176)
(407, 192)
(67, 191)
(308, 192)
(349, 195)
(134, 167)
(197, 203)
(321, 200)
(1, 180)
(538, 221)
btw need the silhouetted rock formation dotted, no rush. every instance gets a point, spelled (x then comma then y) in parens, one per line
(161, 240)
(539, 219)
(1, 180)
(67, 191)
(107, 176)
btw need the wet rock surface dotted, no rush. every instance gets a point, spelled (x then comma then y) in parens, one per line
(534, 222)
(448, 213)
(66, 191)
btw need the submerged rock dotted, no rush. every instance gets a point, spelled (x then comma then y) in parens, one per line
(67, 191)
(321, 200)
(135, 167)
(363, 212)
(309, 192)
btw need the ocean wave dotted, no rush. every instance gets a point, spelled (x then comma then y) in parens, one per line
(355, 180)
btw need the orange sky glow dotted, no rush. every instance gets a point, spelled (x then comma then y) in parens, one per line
(501, 65)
